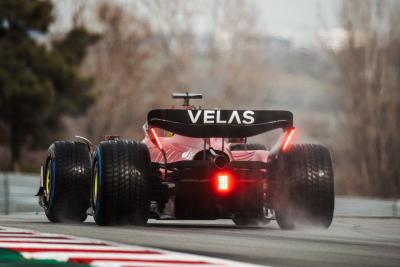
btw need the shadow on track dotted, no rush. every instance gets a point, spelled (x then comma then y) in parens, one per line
(167, 224)
(206, 225)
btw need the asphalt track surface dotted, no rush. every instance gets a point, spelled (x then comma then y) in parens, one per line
(349, 241)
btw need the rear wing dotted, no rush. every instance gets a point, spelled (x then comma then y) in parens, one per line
(205, 123)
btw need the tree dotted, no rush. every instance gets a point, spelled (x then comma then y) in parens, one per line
(38, 83)
(369, 61)
(121, 65)
(150, 49)
(234, 48)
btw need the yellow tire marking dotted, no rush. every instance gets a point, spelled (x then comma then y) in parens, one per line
(48, 179)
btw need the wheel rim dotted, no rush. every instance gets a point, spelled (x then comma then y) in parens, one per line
(95, 184)
(48, 181)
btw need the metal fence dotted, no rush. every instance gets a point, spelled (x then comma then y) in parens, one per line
(17, 194)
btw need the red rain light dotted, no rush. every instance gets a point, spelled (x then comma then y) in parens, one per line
(223, 183)
(158, 143)
(288, 138)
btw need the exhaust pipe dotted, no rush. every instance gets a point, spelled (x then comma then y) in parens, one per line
(221, 161)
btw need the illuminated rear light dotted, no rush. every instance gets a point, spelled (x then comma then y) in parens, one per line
(158, 143)
(287, 140)
(223, 183)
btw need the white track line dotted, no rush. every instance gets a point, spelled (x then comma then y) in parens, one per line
(37, 245)
(50, 241)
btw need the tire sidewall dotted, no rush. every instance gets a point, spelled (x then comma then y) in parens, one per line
(51, 195)
(97, 203)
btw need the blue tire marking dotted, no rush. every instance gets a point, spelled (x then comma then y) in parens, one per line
(100, 174)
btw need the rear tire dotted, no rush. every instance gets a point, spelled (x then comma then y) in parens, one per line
(305, 187)
(120, 195)
(67, 182)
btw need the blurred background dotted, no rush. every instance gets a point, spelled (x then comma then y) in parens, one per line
(94, 67)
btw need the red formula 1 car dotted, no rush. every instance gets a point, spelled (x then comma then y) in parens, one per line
(192, 164)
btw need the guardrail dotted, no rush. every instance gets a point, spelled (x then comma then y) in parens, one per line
(17, 194)
(366, 207)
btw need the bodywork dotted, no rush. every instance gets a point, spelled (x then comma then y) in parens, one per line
(191, 148)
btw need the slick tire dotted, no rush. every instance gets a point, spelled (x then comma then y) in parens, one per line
(120, 183)
(67, 181)
(305, 194)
